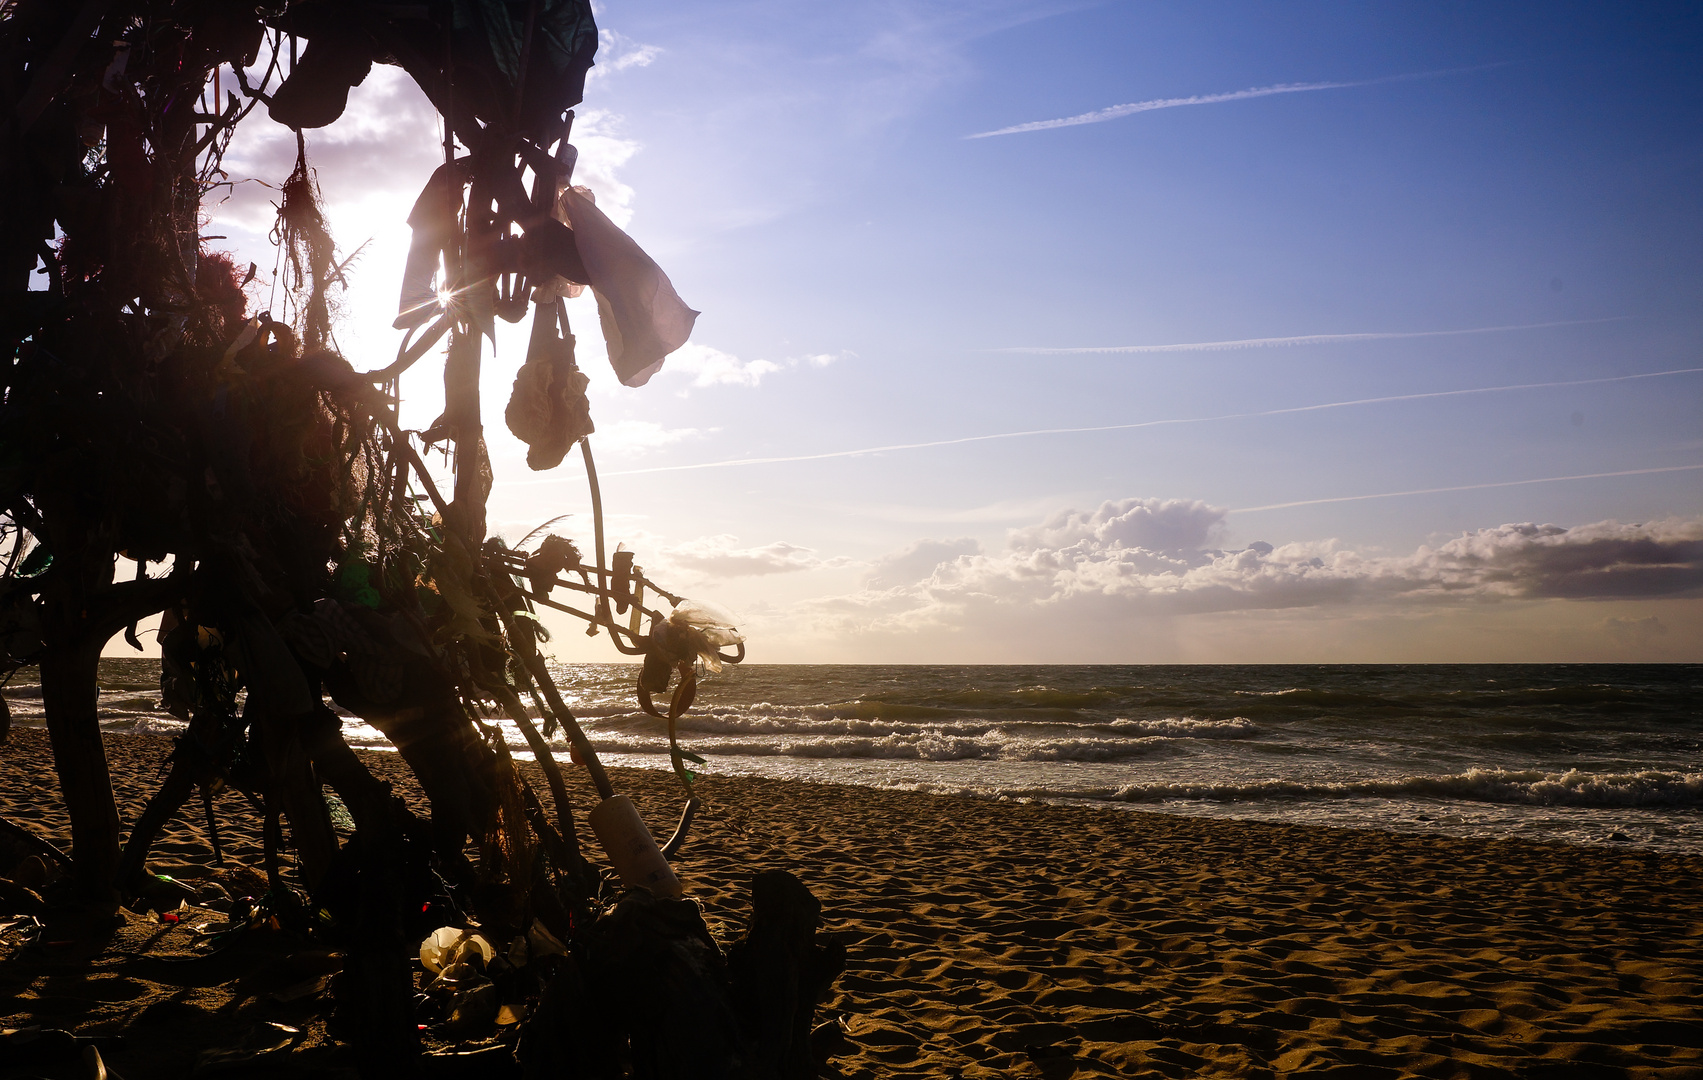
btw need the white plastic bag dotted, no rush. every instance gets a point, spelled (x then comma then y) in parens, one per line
(643, 318)
(449, 946)
(715, 624)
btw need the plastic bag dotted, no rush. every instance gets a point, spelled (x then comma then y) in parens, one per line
(643, 318)
(714, 626)
(449, 946)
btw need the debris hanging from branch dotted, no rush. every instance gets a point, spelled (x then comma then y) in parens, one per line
(302, 555)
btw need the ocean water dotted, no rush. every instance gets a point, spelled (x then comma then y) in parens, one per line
(1592, 754)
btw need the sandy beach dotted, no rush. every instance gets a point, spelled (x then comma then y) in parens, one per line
(992, 939)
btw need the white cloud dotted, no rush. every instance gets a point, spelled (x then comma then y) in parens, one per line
(918, 561)
(709, 366)
(386, 144)
(721, 557)
(617, 52)
(1604, 559)
(602, 151)
(388, 141)
(1159, 524)
(1150, 557)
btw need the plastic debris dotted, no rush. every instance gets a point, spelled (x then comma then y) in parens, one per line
(715, 623)
(451, 946)
(263, 1039)
(543, 943)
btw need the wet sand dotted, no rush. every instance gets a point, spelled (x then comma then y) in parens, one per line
(1007, 940)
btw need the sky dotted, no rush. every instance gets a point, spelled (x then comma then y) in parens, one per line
(1117, 332)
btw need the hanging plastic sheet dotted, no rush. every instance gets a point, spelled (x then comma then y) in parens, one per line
(643, 318)
(435, 221)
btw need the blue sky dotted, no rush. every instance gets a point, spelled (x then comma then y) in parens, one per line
(869, 276)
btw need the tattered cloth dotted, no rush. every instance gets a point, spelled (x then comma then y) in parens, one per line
(548, 409)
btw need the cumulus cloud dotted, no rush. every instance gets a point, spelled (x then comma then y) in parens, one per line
(1605, 559)
(1151, 556)
(918, 560)
(706, 365)
(603, 150)
(616, 52)
(722, 557)
(821, 359)
(385, 144)
(389, 140)
(1157, 524)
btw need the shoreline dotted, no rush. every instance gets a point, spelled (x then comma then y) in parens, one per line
(1022, 939)
(1472, 819)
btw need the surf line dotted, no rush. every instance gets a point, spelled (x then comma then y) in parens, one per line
(1465, 487)
(894, 447)
(1280, 342)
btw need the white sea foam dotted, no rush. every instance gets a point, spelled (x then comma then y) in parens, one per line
(1574, 788)
(817, 732)
(925, 745)
(1592, 755)
(1237, 727)
(1530, 787)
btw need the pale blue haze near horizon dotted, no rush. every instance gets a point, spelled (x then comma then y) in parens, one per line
(865, 269)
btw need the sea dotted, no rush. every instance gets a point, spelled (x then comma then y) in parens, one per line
(1569, 753)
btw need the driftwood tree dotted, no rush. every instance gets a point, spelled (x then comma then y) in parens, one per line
(286, 525)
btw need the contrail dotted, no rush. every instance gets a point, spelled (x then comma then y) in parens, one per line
(1465, 487)
(1131, 427)
(1115, 111)
(1305, 339)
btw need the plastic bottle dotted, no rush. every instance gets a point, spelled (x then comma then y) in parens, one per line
(631, 849)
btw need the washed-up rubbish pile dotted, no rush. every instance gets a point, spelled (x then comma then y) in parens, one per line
(468, 984)
(299, 551)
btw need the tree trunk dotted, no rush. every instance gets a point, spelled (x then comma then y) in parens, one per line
(69, 692)
(179, 786)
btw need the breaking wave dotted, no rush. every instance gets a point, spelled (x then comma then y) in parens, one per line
(1645, 788)
(815, 732)
(1237, 727)
(1573, 752)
